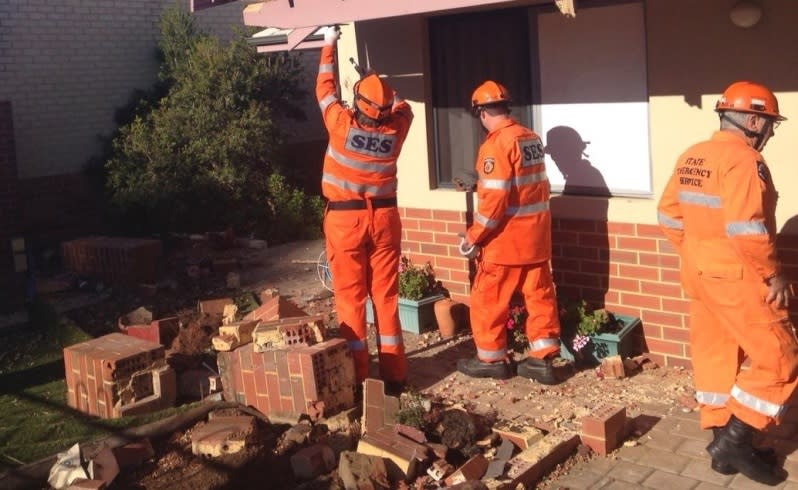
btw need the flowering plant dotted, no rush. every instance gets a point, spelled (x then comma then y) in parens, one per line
(583, 322)
(516, 332)
(416, 282)
(578, 322)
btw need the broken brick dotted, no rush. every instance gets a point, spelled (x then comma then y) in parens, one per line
(523, 436)
(532, 463)
(612, 367)
(222, 435)
(310, 462)
(473, 469)
(134, 454)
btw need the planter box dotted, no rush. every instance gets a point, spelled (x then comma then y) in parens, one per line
(605, 344)
(414, 316)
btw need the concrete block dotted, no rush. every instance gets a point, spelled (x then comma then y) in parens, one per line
(523, 436)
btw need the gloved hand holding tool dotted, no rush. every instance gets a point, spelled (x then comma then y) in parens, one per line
(467, 250)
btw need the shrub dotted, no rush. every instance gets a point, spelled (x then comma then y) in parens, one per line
(206, 155)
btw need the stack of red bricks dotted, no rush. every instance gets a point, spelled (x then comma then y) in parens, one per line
(113, 259)
(296, 372)
(118, 375)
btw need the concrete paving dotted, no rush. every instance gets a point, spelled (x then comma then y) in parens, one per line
(671, 456)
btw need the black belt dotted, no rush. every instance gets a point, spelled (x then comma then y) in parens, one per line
(389, 202)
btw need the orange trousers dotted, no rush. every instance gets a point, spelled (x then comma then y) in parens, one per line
(491, 293)
(363, 250)
(729, 321)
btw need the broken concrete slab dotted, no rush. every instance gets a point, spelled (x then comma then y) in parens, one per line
(222, 435)
(361, 471)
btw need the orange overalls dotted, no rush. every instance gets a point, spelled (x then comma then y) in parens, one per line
(718, 210)
(512, 225)
(361, 224)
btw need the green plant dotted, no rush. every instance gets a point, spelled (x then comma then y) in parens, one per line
(208, 153)
(416, 282)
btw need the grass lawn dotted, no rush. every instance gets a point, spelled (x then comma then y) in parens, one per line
(35, 421)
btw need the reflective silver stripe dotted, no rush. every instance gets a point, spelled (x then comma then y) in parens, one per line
(541, 344)
(496, 184)
(372, 190)
(485, 221)
(326, 68)
(699, 199)
(756, 404)
(493, 355)
(356, 344)
(528, 209)
(390, 340)
(518, 181)
(711, 398)
(669, 222)
(746, 228)
(323, 103)
(382, 168)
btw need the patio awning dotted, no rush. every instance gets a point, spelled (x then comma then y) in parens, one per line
(273, 39)
(288, 14)
(197, 5)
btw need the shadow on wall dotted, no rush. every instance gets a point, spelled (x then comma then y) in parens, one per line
(580, 247)
(787, 248)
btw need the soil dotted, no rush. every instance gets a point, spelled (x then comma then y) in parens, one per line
(292, 270)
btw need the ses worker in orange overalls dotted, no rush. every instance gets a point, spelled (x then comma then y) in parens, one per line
(361, 224)
(512, 236)
(718, 210)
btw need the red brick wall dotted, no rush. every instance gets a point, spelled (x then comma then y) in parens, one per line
(629, 268)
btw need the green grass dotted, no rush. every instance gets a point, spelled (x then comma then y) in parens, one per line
(35, 421)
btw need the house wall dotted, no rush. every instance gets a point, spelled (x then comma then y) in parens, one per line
(609, 250)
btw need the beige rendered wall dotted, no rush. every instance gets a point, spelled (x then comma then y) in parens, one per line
(694, 51)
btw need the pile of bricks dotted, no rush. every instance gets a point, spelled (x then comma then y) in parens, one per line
(284, 366)
(118, 375)
(113, 259)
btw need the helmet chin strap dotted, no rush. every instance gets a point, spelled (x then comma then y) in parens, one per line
(759, 137)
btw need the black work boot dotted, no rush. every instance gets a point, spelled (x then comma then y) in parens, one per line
(732, 448)
(477, 369)
(541, 370)
(766, 454)
(394, 388)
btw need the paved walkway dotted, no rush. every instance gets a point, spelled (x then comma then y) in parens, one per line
(671, 456)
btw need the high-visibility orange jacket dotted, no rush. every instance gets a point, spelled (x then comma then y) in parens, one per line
(513, 222)
(719, 207)
(718, 210)
(360, 162)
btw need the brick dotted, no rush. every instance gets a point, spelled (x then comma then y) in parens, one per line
(118, 375)
(310, 462)
(603, 430)
(134, 454)
(613, 367)
(113, 259)
(531, 464)
(403, 454)
(473, 469)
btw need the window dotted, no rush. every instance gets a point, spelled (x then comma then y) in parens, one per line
(579, 83)
(466, 50)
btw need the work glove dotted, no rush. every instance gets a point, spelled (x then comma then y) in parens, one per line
(467, 250)
(331, 35)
